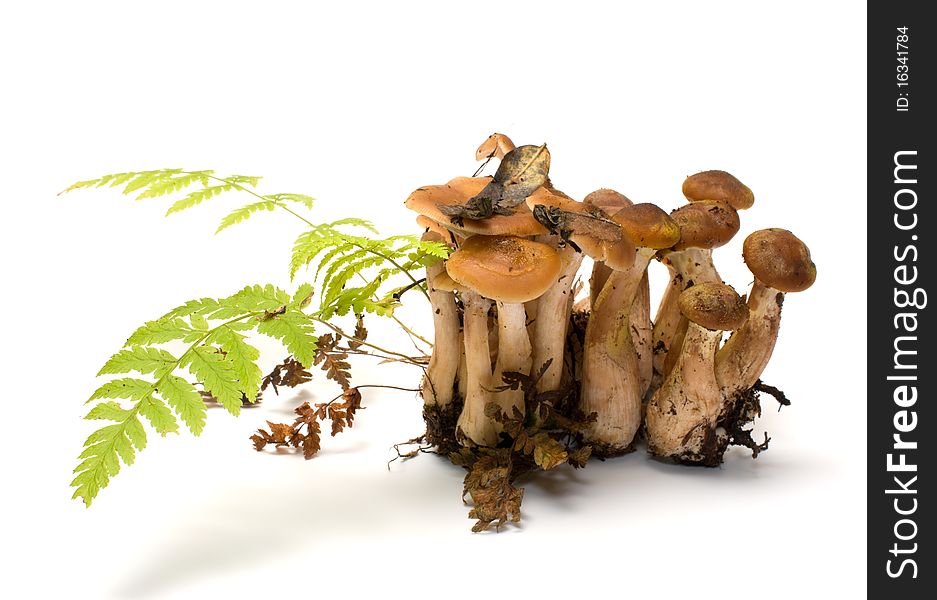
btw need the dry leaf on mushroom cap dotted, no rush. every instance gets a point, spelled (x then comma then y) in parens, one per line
(521, 172)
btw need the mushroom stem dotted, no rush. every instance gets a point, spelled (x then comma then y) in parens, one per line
(610, 371)
(473, 423)
(682, 414)
(443, 365)
(743, 358)
(549, 330)
(641, 331)
(513, 354)
(687, 268)
(640, 322)
(600, 274)
(462, 374)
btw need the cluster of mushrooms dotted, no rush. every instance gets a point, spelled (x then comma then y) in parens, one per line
(503, 303)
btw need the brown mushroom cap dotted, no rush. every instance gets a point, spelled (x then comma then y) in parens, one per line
(606, 200)
(714, 306)
(444, 283)
(505, 268)
(496, 145)
(718, 185)
(705, 224)
(438, 228)
(647, 226)
(778, 259)
(425, 201)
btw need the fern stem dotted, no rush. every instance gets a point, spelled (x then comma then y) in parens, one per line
(412, 333)
(402, 325)
(401, 269)
(311, 224)
(414, 361)
(278, 203)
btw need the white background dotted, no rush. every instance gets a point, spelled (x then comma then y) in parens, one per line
(358, 106)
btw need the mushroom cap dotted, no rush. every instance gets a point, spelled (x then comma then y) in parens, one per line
(715, 306)
(432, 236)
(718, 185)
(444, 283)
(496, 145)
(778, 259)
(606, 200)
(505, 268)
(705, 224)
(425, 201)
(647, 226)
(438, 228)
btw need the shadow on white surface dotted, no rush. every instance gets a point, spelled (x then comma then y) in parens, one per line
(248, 526)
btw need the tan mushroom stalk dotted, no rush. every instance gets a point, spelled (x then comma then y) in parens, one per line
(511, 271)
(780, 263)
(610, 371)
(704, 225)
(609, 202)
(551, 314)
(682, 415)
(439, 382)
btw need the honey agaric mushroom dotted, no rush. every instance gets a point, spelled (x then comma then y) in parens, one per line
(682, 415)
(718, 185)
(610, 370)
(496, 145)
(445, 234)
(606, 202)
(609, 202)
(704, 225)
(551, 320)
(780, 263)
(511, 271)
(439, 382)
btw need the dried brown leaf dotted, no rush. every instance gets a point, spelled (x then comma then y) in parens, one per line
(548, 453)
(333, 360)
(361, 334)
(289, 373)
(520, 173)
(495, 500)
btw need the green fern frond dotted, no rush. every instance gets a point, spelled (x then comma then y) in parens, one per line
(217, 374)
(214, 330)
(198, 196)
(218, 357)
(303, 199)
(185, 400)
(341, 256)
(296, 331)
(140, 359)
(105, 449)
(242, 214)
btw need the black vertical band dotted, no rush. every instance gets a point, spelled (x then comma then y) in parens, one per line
(902, 362)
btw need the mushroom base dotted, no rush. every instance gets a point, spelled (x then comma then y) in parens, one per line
(441, 422)
(707, 445)
(601, 451)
